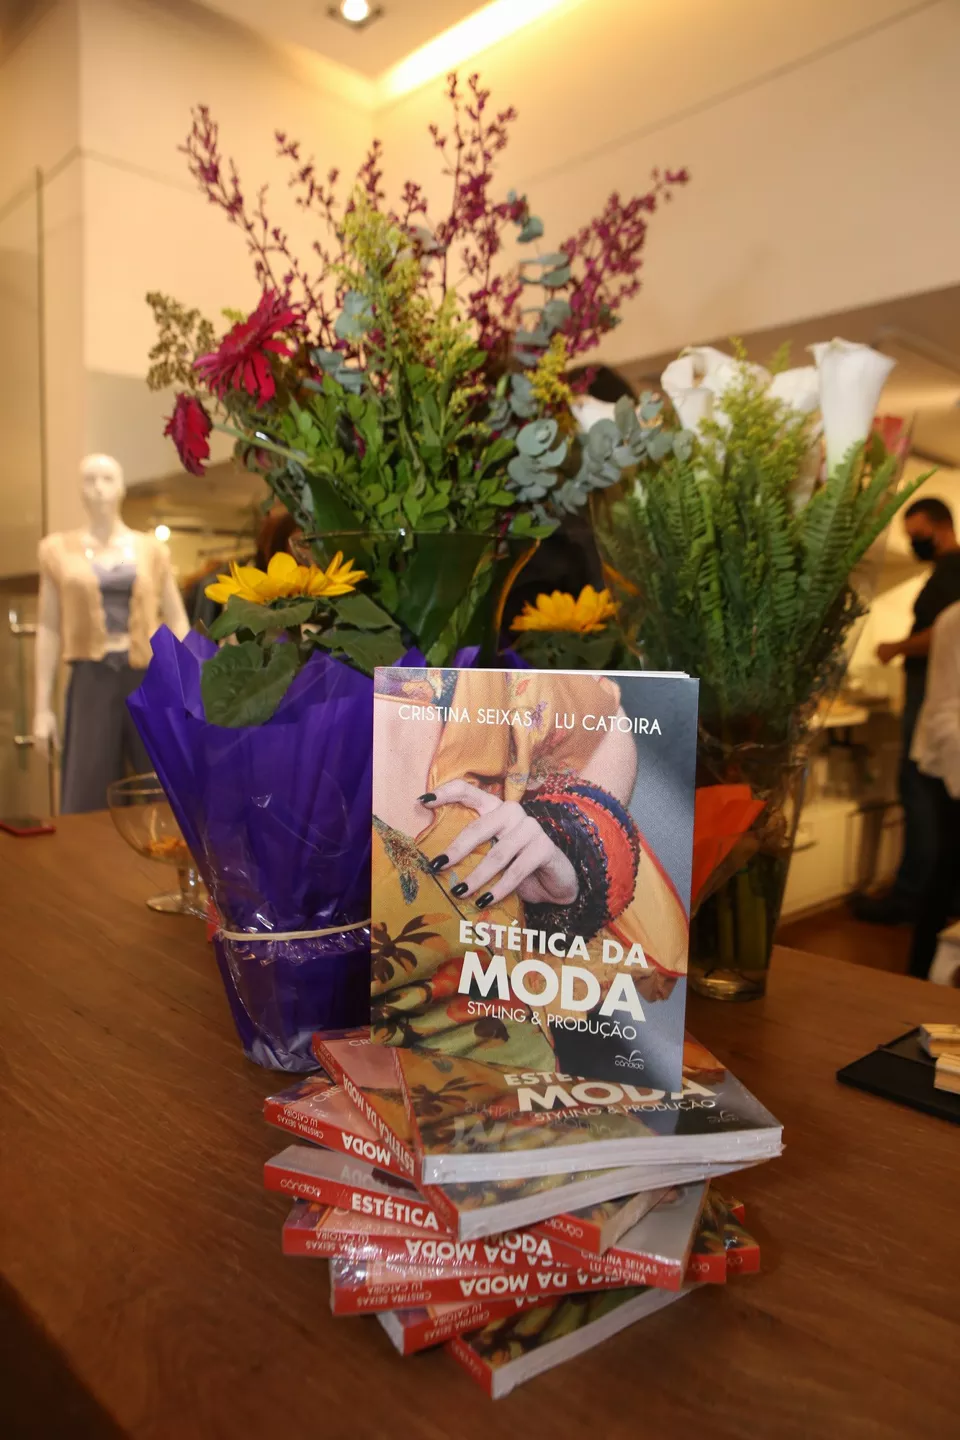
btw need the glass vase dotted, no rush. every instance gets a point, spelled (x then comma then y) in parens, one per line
(744, 860)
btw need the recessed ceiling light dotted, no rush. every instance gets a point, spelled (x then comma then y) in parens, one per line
(162, 532)
(356, 13)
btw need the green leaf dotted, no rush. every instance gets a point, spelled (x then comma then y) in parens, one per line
(359, 610)
(242, 614)
(239, 690)
(532, 230)
(330, 513)
(554, 278)
(364, 648)
(438, 575)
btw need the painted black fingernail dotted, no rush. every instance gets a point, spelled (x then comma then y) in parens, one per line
(427, 799)
(460, 889)
(494, 839)
(485, 899)
(439, 862)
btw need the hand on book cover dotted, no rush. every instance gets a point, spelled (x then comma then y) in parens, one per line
(525, 858)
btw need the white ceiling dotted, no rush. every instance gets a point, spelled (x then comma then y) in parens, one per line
(404, 26)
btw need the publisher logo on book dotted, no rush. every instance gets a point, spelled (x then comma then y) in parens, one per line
(633, 1061)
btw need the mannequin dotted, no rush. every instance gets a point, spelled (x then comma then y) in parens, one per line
(104, 590)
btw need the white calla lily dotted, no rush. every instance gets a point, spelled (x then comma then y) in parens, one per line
(588, 411)
(692, 402)
(851, 379)
(697, 381)
(799, 388)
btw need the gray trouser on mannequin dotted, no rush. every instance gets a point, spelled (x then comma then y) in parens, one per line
(100, 742)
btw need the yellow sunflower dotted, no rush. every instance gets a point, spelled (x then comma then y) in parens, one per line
(588, 612)
(284, 579)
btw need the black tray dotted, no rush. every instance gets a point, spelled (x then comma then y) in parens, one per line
(902, 1071)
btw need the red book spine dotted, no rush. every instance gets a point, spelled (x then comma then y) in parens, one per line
(707, 1269)
(447, 1212)
(628, 1266)
(573, 1230)
(434, 1330)
(477, 1369)
(744, 1261)
(404, 1157)
(341, 1196)
(296, 1123)
(407, 1293)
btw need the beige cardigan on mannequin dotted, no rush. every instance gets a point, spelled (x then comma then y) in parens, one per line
(83, 629)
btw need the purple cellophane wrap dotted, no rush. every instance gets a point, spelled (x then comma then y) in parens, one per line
(278, 819)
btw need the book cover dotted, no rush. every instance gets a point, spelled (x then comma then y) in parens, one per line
(318, 1110)
(471, 1122)
(359, 1287)
(367, 1073)
(531, 868)
(509, 1351)
(306, 1173)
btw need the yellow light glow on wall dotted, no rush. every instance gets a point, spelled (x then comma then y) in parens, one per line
(477, 32)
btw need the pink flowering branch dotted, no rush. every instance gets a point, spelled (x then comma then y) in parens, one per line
(275, 265)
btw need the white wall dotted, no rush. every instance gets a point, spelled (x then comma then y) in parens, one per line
(821, 136)
(39, 120)
(144, 64)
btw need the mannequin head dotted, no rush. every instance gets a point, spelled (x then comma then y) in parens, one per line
(101, 487)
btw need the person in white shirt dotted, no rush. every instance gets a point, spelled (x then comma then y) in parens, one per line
(936, 752)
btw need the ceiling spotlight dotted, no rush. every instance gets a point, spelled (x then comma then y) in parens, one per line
(162, 532)
(356, 13)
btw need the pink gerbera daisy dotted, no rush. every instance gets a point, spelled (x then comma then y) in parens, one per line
(242, 361)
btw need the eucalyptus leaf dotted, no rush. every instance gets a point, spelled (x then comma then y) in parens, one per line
(537, 437)
(556, 312)
(532, 230)
(554, 278)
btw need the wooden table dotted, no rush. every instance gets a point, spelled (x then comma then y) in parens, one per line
(144, 1294)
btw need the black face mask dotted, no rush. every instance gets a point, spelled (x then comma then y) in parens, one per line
(923, 547)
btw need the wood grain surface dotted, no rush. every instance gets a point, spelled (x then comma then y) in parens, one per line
(143, 1257)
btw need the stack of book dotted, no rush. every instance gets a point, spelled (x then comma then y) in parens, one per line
(512, 1265)
(516, 1160)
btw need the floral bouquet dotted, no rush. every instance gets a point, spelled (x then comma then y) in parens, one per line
(407, 385)
(733, 556)
(403, 395)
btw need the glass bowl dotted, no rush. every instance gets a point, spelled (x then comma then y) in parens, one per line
(142, 814)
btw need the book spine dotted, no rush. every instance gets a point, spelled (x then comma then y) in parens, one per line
(327, 1244)
(326, 1059)
(572, 1230)
(435, 1331)
(402, 1155)
(707, 1269)
(408, 1292)
(744, 1261)
(627, 1266)
(342, 1196)
(447, 1213)
(467, 1357)
(285, 1118)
